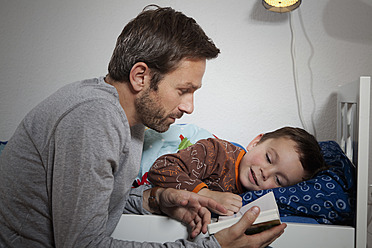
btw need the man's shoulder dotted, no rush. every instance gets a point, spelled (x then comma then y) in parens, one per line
(80, 92)
(88, 88)
(82, 96)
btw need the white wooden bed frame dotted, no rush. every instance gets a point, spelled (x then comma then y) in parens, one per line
(353, 116)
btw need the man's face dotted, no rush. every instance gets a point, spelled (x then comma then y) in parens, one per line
(270, 164)
(174, 97)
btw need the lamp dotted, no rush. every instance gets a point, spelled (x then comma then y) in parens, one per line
(281, 6)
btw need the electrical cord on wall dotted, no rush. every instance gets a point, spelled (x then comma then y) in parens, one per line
(295, 77)
(311, 71)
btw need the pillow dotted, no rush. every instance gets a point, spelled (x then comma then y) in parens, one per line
(157, 144)
(329, 197)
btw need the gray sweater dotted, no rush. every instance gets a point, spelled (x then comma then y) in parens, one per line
(66, 174)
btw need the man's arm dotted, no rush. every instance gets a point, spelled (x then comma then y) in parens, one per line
(87, 149)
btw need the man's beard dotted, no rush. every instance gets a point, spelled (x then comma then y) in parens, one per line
(152, 114)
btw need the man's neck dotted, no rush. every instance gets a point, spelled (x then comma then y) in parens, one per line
(126, 99)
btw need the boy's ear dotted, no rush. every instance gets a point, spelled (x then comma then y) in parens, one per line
(139, 76)
(254, 142)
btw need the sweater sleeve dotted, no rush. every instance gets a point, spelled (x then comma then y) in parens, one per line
(88, 141)
(186, 169)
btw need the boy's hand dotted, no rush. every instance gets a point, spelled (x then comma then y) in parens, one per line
(235, 237)
(230, 201)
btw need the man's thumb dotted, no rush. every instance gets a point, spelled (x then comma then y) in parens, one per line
(248, 218)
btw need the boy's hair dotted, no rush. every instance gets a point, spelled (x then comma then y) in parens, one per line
(307, 147)
(161, 38)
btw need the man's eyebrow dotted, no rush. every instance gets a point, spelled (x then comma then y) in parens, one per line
(193, 86)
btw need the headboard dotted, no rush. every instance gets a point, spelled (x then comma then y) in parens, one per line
(353, 108)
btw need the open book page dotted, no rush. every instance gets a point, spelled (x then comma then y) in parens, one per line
(268, 217)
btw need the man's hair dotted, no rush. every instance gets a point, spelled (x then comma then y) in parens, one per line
(161, 38)
(307, 148)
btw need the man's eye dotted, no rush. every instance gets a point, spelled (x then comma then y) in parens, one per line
(184, 91)
(268, 158)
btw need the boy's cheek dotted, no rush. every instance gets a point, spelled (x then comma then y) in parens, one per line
(268, 185)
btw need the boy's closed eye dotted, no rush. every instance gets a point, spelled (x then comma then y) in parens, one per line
(278, 182)
(268, 158)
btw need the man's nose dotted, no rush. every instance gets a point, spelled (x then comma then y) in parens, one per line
(187, 105)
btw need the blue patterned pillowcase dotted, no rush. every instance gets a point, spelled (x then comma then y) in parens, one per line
(329, 197)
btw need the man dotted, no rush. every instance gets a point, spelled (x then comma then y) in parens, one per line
(66, 174)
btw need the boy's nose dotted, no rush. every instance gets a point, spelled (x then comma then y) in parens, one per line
(266, 173)
(263, 174)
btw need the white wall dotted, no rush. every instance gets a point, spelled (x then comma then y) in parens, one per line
(249, 89)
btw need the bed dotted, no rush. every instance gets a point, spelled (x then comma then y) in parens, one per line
(340, 220)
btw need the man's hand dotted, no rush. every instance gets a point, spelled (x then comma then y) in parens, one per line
(235, 237)
(188, 207)
(232, 202)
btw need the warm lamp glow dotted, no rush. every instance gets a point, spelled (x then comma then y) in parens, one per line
(281, 6)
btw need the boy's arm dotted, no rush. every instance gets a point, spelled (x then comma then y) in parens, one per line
(232, 202)
(186, 169)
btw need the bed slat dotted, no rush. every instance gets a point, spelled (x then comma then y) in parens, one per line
(353, 114)
(363, 161)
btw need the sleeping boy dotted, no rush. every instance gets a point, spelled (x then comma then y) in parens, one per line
(221, 170)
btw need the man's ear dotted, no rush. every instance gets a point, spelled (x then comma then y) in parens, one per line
(139, 76)
(254, 142)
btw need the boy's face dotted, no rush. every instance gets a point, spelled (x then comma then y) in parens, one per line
(270, 164)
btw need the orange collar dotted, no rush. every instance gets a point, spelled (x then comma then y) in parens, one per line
(237, 163)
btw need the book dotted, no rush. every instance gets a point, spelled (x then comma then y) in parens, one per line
(268, 217)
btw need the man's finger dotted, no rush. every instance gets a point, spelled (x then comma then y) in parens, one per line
(247, 219)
